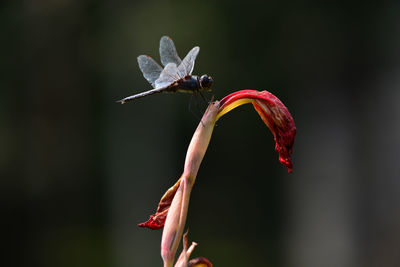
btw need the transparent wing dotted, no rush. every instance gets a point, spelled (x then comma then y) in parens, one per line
(187, 65)
(168, 52)
(168, 76)
(150, 68)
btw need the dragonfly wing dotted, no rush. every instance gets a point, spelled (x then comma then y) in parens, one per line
(187, 65)
(168, 76)
(168, 52)
(150, 68)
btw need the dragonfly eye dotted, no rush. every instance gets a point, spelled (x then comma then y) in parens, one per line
(206, 81)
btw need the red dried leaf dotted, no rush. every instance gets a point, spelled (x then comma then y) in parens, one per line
(157, 220)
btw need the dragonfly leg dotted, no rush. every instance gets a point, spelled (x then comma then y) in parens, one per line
(204, 98)
(193, 98)
(190, 103)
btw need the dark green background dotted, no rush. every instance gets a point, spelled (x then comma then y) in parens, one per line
(79, 171)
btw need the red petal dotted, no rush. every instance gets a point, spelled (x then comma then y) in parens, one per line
(275, 115)
(157, 220)
(239, 95)
(283, 130)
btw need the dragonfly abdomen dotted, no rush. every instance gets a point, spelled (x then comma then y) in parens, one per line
(140, 95)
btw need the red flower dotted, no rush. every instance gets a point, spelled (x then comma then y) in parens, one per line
(173, 207)
(274, 114)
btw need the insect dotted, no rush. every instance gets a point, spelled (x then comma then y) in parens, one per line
(176, 75)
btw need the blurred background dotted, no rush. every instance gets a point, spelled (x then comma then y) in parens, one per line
(79, 172)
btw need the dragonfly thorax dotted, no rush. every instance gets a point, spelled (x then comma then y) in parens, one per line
(194, 83)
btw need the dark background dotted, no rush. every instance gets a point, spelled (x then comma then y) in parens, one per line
(79, 172)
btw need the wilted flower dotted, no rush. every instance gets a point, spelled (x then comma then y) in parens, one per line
(172, 209)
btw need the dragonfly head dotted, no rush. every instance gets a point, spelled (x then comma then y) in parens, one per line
(206, 82)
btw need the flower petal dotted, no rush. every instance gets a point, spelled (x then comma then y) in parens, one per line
(274, 114)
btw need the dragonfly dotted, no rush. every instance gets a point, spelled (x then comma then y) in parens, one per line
(176, 76)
